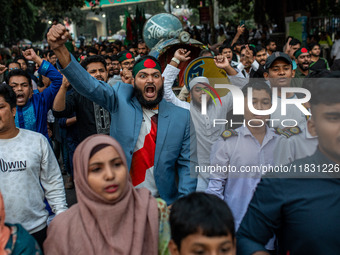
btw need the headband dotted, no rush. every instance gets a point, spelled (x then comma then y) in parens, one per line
(300, 51)
(126, 55)
(146, 63)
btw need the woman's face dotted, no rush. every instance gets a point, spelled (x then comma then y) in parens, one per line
(107, 175)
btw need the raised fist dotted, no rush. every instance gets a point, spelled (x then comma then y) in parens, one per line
(57, 36)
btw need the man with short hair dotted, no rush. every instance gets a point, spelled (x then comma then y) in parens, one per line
(116, 71)
(91, 117)
(301, 206)
(142, 49)
(270, 46)
(22, 61)
(32, 108)
(252, 61)
(109, 67)
(29, 172)
(156, 143)
(226, 51)
(51, 57)
(317, 63)
(303, 59)
(23, 65)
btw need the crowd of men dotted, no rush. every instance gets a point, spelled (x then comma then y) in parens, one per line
(171, 147)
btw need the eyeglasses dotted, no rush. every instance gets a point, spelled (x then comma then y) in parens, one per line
(13, 68)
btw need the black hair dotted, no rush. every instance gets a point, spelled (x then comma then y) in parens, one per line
(312, 45)
(20, 57)
(11, 62)
(108, 50)
(50, 53)
(118, 43)
(7, 92)
(225, 46)
(257, 49)
(250, 48)
(93, 59)
(200, 212)
(92, 50)
(240, 41)
(114, 57)
(204, 51)
(257, 85)
(294, 41)
(269, 41)
(19, 72)
(326, 90)
(107, 57)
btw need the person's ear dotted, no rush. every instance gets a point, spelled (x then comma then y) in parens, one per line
(265, 75)
(173, 249)
(311, 126)
(14, 111)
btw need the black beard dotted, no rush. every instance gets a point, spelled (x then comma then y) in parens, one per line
(145, 103)
(302, 68)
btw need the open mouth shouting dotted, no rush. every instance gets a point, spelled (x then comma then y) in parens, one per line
(21, 100)
(150, 91)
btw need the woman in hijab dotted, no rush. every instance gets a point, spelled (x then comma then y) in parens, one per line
(111, 216)
(14, 239)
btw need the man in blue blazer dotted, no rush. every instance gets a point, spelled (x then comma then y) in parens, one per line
(157, 136)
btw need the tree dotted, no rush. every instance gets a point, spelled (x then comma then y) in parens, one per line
(22, 18)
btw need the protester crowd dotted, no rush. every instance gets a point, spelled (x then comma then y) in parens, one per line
(154, 173)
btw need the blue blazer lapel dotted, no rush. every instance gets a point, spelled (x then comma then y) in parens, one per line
(162, 129)
(136, 121)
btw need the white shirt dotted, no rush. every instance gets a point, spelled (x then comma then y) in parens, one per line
(292, 112)
(295, 147)
(206, 133)
(29, 173)
(336, 49)
(237, 189)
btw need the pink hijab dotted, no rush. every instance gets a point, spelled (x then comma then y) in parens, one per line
(94, 225)
(4, 230)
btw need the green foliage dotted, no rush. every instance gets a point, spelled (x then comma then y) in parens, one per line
(23, 18)
(17, 20)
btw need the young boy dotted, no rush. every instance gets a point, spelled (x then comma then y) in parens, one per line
(201, 224)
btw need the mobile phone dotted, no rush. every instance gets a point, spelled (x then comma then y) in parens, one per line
(242, 22)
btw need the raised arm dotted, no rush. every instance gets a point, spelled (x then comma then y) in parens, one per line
(170, 73)
(240, 31)
(57, 36)
(59, 103)
(97, 91)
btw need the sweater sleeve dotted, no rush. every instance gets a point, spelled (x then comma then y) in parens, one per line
(51, 179)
